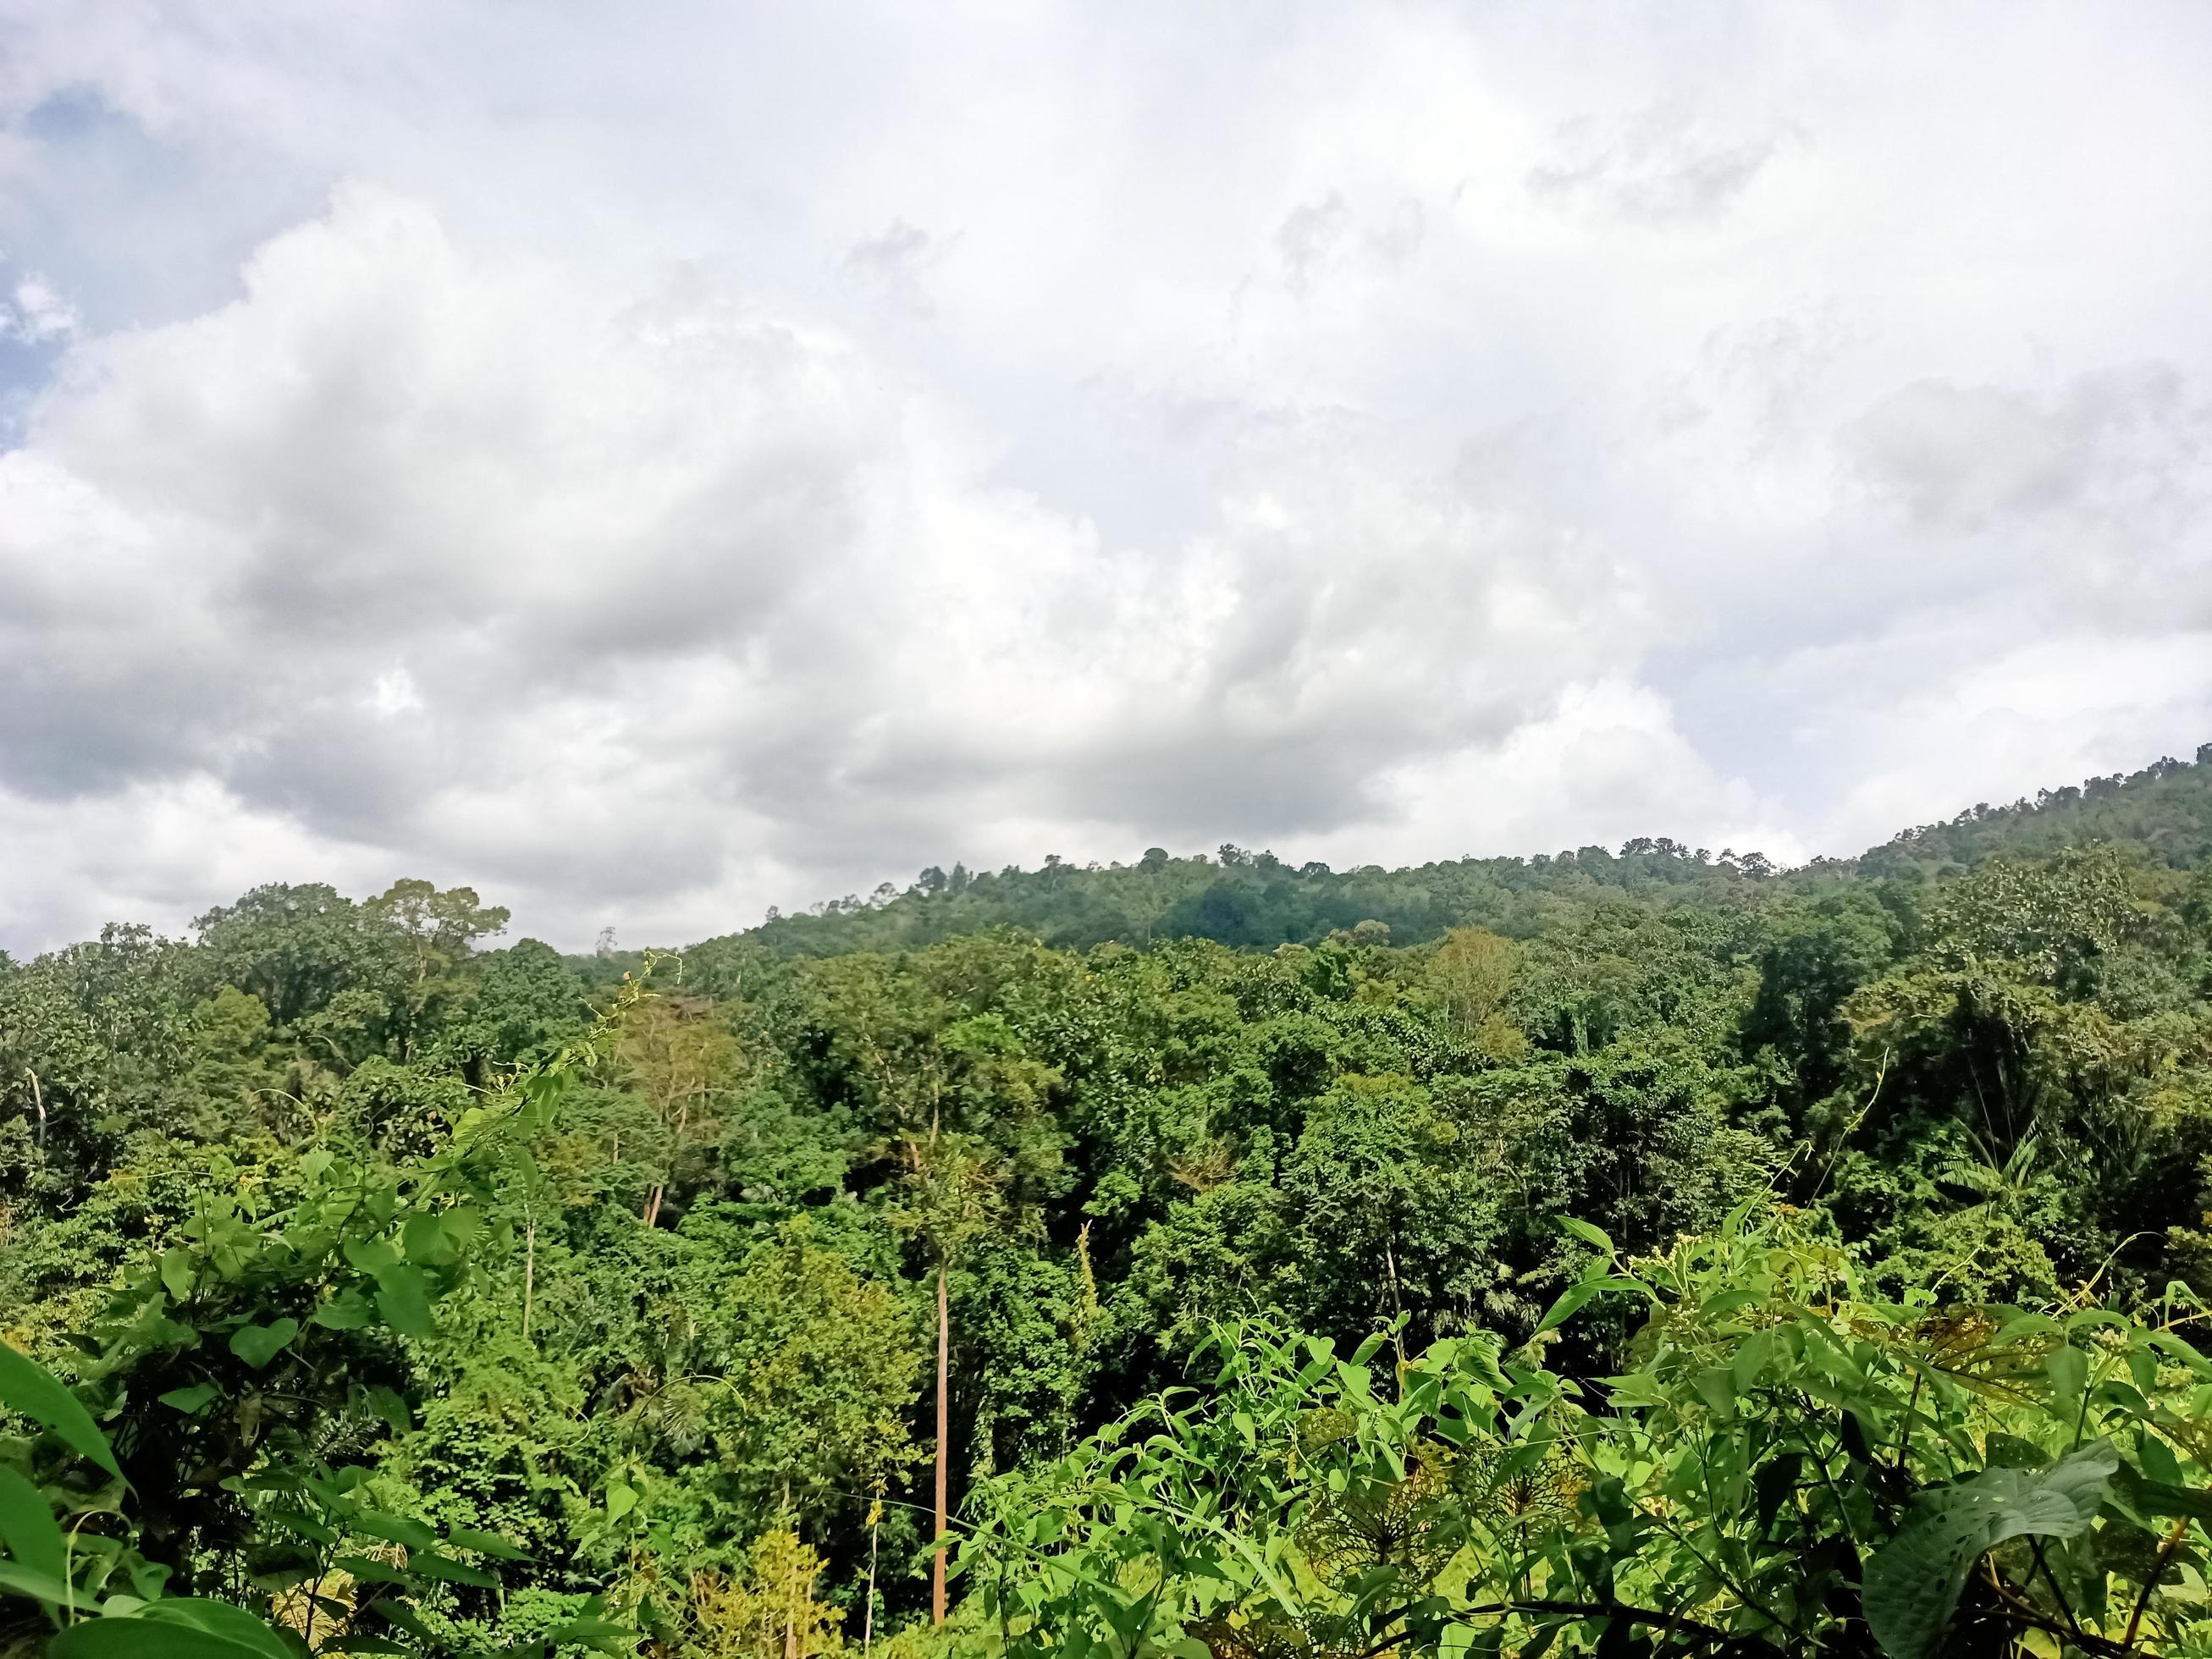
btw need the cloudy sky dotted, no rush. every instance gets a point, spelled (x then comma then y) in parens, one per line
(656, 462)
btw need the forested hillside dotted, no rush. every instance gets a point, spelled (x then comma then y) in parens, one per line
(1257, 900)
(1628, 1252)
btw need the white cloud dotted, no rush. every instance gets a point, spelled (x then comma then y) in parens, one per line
(1658, 168)
(693, 599)
(38, 314)
(655, 470)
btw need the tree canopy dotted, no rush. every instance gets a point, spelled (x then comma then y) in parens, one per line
(1633, 1252)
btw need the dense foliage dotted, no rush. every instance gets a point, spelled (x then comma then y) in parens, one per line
(1785, 1467)
(368, 1282)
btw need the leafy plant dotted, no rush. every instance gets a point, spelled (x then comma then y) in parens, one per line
(242, 1373)
(1786, 1466)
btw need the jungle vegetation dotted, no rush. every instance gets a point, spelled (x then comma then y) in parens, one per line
(1627, 1251)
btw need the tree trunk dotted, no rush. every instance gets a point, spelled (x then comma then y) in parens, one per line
(529, 1269)
(944, 1439)
(868, 1617)
(1397, 1306)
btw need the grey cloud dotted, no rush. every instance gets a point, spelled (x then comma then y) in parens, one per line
(896, 262)
(1308, 238)
(1320, 235)
(666, 577)
(1659, 169)
(1960, 456)
(1196, 785)
(1396, 239)
(2119, 447)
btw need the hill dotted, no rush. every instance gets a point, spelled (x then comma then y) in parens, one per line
(2162, 814)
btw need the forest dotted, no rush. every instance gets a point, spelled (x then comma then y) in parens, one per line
(1629, 1252)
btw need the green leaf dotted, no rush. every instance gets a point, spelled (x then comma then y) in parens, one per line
(402, 1298)
(599, 1633)
(2009, 1451)
(179, 1273)
(257, 1344)
(400, 1616)
(2068, 1371)
(369, 1571)
(621, 1500)
(1912, 1583)
(370, 1255)
(429, 1564)
(45, 1587)
(219, 1619)
(2161, 1498)
(1771, 1484)
(484, 1543)
(190, 1399)
(1588, 1234)
(392, 1529)
(424, 1240)
(2024, 1325)
(390, 1408)
(1723, 1303)
(2158, 1461)
(302, 1526)
(1572, 1300)
(146, 1638)
(28, 1529)
(349, 1312)
(1750, 1360)
(1715, 1386)
(26, 1387)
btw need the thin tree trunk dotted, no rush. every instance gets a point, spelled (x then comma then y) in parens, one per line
(39, 1100)
(1397, 1303)
(944, 1439)
(868, 1617)
(529, 1269)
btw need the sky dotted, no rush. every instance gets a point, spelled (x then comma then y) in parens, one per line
(654, 463)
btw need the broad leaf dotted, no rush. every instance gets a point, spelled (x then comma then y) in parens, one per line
(257, 1344)
(349, 1312)
(1572, 1299)
(599, 1633)
(2161, 1498)
(35, 1586)
(146, 1638)
(426, 1564)
(484, 1543)
(179, 1273)
(392, 1529)
(26, 1387)
(1913, 1584)
(28, 1529)
(402, 1298)
(221, 1619)
(1588, 1234)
